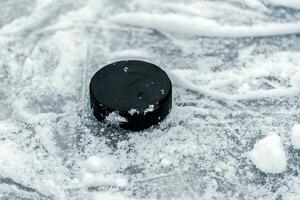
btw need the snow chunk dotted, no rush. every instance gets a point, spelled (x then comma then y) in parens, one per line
(295, 136)
(150, 108)
(268, 155)
(133, 111)
(115, 119)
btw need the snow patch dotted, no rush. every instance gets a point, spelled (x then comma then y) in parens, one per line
(7, 127)
(109, 196)
(165, 162)
(202, 26)
(268, 155)
(101, 170)
(97, 180)
(295, 80)
(98, 163)
(130, 54)
(295, 136)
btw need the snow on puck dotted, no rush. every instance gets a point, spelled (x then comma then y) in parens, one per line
(131, 94)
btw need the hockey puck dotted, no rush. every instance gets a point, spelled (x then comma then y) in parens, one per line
(131, 94)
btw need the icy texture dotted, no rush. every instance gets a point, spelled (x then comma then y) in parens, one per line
(295, 4)
(203, 27)
(268, 155)
(228, 93)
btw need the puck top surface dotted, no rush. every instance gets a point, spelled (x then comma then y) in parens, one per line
(132, 84)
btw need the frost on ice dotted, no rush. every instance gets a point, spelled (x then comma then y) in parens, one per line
(268, 155)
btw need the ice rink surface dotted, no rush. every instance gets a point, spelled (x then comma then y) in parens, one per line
(235, 67)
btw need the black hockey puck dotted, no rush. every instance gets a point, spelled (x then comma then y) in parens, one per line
(131, 94)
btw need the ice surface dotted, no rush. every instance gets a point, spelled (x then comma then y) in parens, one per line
(235, 68)
(268, 155)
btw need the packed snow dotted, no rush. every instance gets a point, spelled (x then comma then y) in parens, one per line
(268, 155)
(235, 69)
